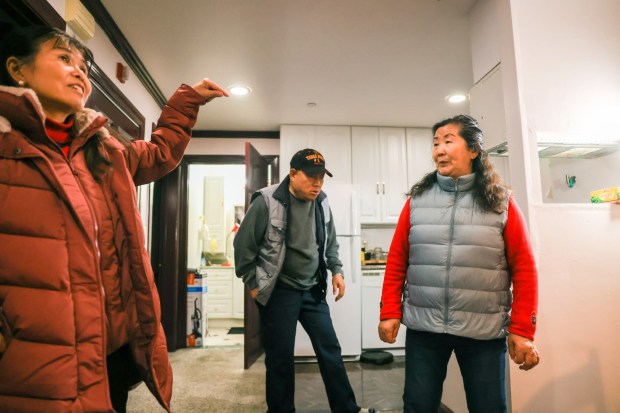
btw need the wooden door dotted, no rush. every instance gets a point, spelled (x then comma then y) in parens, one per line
(256, 177)
(169, 253)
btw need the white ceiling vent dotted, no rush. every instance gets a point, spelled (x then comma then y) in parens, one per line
(79, 19)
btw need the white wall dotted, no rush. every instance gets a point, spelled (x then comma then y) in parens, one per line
(579, 328)
(106, 57)
(570, 60)
(591, 174)
(234, 194)
(576, 90)
(223, 146)
(378, 236)
(566, 65)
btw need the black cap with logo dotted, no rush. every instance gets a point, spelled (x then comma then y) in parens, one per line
(310, 161)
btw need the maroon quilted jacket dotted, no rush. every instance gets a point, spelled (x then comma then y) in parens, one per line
(75, 278)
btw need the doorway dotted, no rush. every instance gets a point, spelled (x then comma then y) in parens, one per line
(170, 245)
(216, 196)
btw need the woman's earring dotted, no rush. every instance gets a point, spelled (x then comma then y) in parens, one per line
(21, 83)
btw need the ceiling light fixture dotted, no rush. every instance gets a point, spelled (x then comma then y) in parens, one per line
(239, 90)
(456, 98)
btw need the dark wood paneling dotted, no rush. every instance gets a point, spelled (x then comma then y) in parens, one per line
(25, 12)
(166, 256)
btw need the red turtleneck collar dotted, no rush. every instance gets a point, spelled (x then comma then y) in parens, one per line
(60, 133)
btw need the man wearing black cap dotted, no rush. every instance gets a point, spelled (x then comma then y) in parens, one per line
(283, 249)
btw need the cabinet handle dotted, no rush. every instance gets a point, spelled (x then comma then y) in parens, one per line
(377, 188)
(383, 188)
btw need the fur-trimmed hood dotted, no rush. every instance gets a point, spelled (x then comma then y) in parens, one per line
(84, 119)
(5, 124)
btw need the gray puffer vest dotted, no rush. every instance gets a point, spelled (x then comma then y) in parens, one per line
(273, 248)
(457, 279)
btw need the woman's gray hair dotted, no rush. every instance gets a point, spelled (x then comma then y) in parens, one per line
(490, 192)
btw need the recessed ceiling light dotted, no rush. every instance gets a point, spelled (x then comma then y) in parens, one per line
(456, 98)
(239, 90)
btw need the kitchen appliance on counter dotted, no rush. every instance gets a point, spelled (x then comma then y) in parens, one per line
(346, 313)
(376, 257)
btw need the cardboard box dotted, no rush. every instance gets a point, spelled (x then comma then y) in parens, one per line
(197, 279)
(605, 195)
(196, 309)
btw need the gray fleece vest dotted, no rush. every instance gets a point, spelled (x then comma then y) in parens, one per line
(457, 279)
(273, 248)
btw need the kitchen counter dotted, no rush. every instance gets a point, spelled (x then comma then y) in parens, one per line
(373, 265)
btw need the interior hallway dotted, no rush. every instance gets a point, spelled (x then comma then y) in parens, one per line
(213, 380)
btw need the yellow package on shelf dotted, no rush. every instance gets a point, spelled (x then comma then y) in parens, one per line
(605, 195)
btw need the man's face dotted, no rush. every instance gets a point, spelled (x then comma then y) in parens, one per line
(305, 187)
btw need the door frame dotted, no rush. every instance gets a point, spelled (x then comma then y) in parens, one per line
(169, 242)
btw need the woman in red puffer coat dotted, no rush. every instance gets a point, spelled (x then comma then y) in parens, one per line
(79, 311)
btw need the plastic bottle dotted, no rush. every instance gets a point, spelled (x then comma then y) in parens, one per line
(363, 252)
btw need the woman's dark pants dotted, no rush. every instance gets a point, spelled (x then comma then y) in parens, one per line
(482, 364)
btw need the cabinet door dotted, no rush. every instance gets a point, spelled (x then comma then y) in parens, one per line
(219, 292)
(292, 139)
(334, 143)
(486, 105)
(419, 154)
(219, 308)
(366, 173)
(393, 183)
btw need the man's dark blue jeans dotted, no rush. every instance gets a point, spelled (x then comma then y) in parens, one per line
(278, 325)
(482, 364)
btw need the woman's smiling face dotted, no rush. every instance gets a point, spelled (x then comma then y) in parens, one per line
(59, 76)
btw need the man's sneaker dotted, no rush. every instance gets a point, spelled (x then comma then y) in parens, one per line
(367, 410)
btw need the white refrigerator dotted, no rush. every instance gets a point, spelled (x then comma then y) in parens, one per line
(346, 313)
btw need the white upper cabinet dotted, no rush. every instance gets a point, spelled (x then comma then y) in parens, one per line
(367, 171)
(333, 142)
(419, 154)
(379, 167)
(486, 104)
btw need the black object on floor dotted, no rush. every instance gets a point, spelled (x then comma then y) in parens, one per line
(235, 330)
(376, 357)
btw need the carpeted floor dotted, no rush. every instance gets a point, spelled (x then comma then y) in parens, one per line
(213, 380)
(208, 380)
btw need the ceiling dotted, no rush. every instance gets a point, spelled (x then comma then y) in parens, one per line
(363, 62)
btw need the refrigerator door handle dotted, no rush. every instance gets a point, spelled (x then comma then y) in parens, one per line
(356, 265)
(355, 211)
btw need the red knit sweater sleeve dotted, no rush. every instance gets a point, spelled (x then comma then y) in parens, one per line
(523, 274)
(396, 268)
